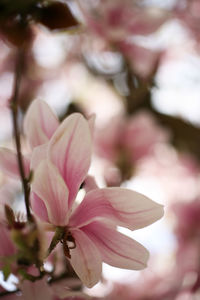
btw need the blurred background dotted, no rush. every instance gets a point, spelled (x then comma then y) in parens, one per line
(135, 65)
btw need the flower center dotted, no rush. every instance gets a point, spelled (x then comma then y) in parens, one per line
(68, 242)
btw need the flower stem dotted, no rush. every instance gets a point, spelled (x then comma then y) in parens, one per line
(14, 109)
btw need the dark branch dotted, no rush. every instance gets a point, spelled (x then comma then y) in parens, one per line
(16, 132)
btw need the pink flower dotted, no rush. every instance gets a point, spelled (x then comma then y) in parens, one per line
(39, 125)
(188, 222)
(117, 23)
(125, 141)
(89, 234)
(137, 136)
(142, 60)
(114, 20)
(188, 13)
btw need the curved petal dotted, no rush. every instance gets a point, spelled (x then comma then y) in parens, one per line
(49, 186)
(39, 207)
(86, 259)
(125, 207)
(70, 150)
(9, 163)
(90, 184)
(39, 153)
(39, 123)
(117, 249)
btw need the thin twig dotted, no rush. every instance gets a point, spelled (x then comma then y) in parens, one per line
(16, 132)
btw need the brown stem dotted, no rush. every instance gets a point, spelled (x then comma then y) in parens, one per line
(16, 132)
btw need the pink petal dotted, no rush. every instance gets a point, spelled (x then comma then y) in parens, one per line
(70, 150)
(117, 249)
(39, 208)
(125, 207)
(49, 186)
(9, 163)
(39, 123)
(39, 153)
(86, 259)
(90, 184)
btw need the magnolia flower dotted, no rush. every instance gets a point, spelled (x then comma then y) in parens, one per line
(60, 157)
(121, 19)
(125, 141)
(187, 231)
(88, 230)
(39, 124)
(117, 23)
(137, 136)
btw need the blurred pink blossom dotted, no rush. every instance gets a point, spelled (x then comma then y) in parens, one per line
(189, 13)
(149, 286)
(114, 20)
(118, 23)
(41, 290)
(166, 167)
(127, 141)
(187, 230)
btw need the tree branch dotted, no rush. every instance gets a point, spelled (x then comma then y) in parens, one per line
(16, 132)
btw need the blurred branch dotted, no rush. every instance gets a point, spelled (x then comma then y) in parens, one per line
(185, 136)
(14, 110)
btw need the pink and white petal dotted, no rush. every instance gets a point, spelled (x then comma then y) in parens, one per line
(90, 184)
(70, 150)
(117, 249)
(39, 207)
(9, 163)
(39, 123)
(49, 186)
(86, 259)
(39, 153)
(125, 207)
